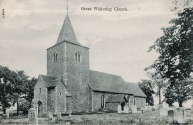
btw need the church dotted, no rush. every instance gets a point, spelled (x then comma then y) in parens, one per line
(71, 87)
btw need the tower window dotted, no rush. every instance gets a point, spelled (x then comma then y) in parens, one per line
(77, 57)
(55, 57)
(39, 90)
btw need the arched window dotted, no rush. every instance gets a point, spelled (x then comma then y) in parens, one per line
(55, 57)
(102, 101)
(134, 100)
(77, 57)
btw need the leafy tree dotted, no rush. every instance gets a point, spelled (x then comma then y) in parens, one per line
(6, 88)
(146, 87)
(183, 91)
(29, 90)
(19, 85)
(175, 48)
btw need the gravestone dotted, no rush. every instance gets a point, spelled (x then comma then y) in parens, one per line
(50, 116)
(180, 115)
(32, 116)
(119, 109)
(59, 115)
(7, 113)
(126, 109)
(134, 108)
(171, 114)
(192, 108)
(163, 111)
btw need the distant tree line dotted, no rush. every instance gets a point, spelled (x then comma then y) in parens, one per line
(15, 85)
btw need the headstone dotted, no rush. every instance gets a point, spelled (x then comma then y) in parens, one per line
(149, 108)
(134, 108)
(59, 115)
(180, 115)
(192, 108)
(32, 116)
(119, 109)
(171, 114)
(163, 112)
(7, 113)
(50, 116)
(126, 109)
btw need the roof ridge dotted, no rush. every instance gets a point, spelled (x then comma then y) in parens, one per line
(106, 73)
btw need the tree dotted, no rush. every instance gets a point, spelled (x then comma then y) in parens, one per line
(6, 88)
(175, 48)
(29, 90)
(19, 85)
(146, 87)
(183, 91)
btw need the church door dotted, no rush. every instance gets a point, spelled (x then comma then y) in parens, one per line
(40, 109)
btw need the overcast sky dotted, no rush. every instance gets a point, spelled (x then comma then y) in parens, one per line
(118, 40)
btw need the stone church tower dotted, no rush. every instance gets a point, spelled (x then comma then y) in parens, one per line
(68, 60)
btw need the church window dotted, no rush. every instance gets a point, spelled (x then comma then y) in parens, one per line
(40, 90)
(55, 57)
(134, 101)
(77, 57)
(102, 101)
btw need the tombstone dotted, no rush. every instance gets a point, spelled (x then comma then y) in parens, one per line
(7, 113)
(32, 116)
(134, 109)
(59, 115)
(163, 112)
(119, 109)
(149, 108)
(180, 115)
(50, 116)
(171, 113)
(192, 108)
(126, 109)
(143, 109)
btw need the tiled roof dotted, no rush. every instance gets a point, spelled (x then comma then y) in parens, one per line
(115, 98)
(67, 33)
(112, 83)
(134, 88)
(49, 80)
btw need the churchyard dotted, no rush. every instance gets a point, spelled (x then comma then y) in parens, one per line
(153, 116)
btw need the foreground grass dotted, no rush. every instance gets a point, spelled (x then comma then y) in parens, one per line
(147, 118)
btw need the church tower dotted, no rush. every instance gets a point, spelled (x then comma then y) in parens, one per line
(68, 60)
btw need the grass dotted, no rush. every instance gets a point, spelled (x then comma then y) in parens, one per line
(147, 118)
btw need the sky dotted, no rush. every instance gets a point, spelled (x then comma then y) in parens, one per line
(118, 40)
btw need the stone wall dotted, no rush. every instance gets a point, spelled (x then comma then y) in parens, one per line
(78, 77)
(61, 97)
(40, 96)
(112, 106)
(51, 99)
(56, 69)
(74, 74)
(140, 102)
(96, 99)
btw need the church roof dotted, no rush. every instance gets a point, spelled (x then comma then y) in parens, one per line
(112, 83)
(115, 98)
(49, 80)
(67, 33)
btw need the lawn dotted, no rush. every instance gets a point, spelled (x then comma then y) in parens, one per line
(148, 118)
